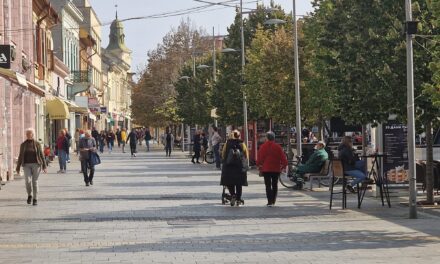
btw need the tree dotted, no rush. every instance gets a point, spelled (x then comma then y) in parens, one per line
(427, 111)
(193, 94)
(364, 55)
(227, 94)
(154, 98)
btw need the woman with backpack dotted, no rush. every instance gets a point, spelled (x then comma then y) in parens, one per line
(271, 161)
(234, 174)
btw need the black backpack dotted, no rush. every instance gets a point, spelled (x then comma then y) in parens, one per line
(235, 156)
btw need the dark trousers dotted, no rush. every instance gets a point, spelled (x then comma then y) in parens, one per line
(133, 148)
(236, 190)
(85, 167)
(217, 155)
(168, 149)
(271, 182)
(196, 155)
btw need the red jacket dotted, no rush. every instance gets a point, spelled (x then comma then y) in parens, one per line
(271, 157)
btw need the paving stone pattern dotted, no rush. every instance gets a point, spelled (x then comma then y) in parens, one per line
(153, 209)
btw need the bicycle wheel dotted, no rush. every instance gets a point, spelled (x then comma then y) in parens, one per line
(209, 157)
(286, 179)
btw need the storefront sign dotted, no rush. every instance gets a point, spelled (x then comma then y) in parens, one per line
(5, 56)
(395, 164)
(94, 105)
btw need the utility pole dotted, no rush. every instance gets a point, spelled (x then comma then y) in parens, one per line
(410, 114)
(214, 55)
(243, 63)
(297, 91)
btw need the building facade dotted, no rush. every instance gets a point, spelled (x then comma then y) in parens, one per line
(20, 98)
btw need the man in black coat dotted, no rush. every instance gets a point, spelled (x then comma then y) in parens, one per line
(197, 147)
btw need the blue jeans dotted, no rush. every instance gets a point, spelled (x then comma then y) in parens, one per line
(62, 159)
(358, 173)
(217, 155)
(110, 145)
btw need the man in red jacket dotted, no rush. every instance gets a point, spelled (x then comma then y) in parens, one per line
(271, 161)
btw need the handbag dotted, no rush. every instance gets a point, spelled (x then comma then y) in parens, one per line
(94, 158)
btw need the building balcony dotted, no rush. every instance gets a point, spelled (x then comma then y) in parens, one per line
(80, 81)
(81, 76)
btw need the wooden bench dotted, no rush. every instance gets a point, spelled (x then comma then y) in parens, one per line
(325, 173)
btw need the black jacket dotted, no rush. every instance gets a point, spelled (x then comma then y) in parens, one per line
(348, 157)
(132, 137)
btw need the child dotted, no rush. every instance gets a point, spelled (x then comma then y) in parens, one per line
(47, 153)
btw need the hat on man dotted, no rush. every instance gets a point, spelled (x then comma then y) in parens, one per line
(321, 143)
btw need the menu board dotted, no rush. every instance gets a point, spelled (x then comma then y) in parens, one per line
(395, 163)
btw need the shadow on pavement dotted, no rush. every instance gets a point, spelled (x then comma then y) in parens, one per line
(274, 242)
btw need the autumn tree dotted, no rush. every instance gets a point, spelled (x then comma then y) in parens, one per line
(154, 97)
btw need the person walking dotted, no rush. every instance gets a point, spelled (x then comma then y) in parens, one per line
(204, 146)
(110, 140)
(87, 145)
(216, 139)
(132, 139)
(271, 160)
(233, 175)
(62, 148)
(95, 135)
(197, 147)
(147, 138)
(69, 141)
(123, 139)
(102, 138)
(169, 140)
(32, 160)
(76, 136)
(119, 137)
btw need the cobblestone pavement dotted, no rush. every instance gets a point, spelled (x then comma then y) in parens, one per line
(153, 209)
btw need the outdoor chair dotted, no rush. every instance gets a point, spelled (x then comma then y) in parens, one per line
(323, 174)
(337, 170)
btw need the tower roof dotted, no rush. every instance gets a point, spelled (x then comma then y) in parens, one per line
(117, 36)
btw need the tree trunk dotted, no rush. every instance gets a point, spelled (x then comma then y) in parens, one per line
(320, 130)
(429, 164)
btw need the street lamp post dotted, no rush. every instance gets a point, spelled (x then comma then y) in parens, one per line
(243, 62)
(297, 91)
(410, 113)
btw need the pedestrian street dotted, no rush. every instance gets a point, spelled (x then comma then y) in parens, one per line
(155, 209)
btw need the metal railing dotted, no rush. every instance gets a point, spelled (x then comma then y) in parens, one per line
(80, 76)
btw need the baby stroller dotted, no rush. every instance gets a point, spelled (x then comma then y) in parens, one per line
(227, 198)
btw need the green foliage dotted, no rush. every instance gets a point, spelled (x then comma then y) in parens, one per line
(364, 57)
(193, 104)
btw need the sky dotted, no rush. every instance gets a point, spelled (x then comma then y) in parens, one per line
(144, 35)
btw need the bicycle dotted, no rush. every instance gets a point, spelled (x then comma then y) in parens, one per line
(287, 179)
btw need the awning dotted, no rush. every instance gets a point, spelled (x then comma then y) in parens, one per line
(75, 108)
(57, 109)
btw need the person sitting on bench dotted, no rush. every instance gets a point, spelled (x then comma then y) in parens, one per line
(313, 165)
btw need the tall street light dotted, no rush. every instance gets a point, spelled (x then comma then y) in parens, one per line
(410, 112)
(297, 91)
(243, 62)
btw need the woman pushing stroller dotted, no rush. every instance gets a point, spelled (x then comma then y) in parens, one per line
(234, 171)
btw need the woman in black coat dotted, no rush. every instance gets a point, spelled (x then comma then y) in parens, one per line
(233, 175)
